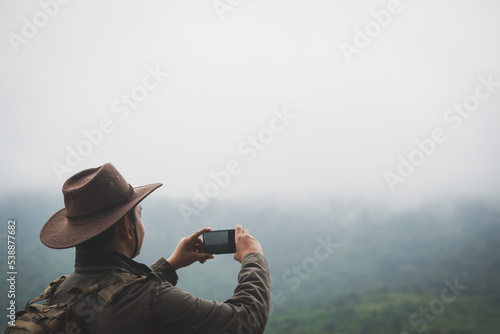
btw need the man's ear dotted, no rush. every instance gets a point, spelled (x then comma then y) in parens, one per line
(122, 229)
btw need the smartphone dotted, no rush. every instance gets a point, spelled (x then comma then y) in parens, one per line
(219, 242)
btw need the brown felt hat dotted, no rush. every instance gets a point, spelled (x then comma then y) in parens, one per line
(94, 200)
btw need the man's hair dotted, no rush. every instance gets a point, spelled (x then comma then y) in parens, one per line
(105, 238)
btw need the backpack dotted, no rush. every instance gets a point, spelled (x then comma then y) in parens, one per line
(59, 319)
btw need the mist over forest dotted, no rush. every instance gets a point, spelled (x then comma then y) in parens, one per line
(335, 267)
(356, 140)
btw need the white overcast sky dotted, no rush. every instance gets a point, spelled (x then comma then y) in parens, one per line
(352, 120)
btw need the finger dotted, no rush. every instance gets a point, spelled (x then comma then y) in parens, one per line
(197, 234)
(198, 246)
(245, 231)
(238, 229)
(205, 257)
(198, 242)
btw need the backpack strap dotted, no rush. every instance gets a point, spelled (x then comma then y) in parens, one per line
(107, 288)
(49, 291)
(112, 287)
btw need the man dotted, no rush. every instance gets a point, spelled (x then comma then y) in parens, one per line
(102, 219)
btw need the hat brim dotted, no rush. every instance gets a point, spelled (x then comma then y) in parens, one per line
(59, 233)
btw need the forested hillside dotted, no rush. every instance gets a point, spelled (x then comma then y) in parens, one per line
(336, 267)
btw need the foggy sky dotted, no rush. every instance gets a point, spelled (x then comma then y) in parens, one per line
(180, 90)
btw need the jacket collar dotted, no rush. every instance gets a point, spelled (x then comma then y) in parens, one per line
(103, 259)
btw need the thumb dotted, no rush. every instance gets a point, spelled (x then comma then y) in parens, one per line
(203, 257)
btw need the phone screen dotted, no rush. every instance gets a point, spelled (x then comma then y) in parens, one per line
(219, 242)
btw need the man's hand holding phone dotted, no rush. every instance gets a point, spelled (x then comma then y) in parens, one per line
(192, 249)
(245, 243)
(189, 250)
(237, 241)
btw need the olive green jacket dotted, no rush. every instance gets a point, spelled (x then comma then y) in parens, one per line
(155, 305)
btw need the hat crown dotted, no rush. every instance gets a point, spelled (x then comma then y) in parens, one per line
(94, 190)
